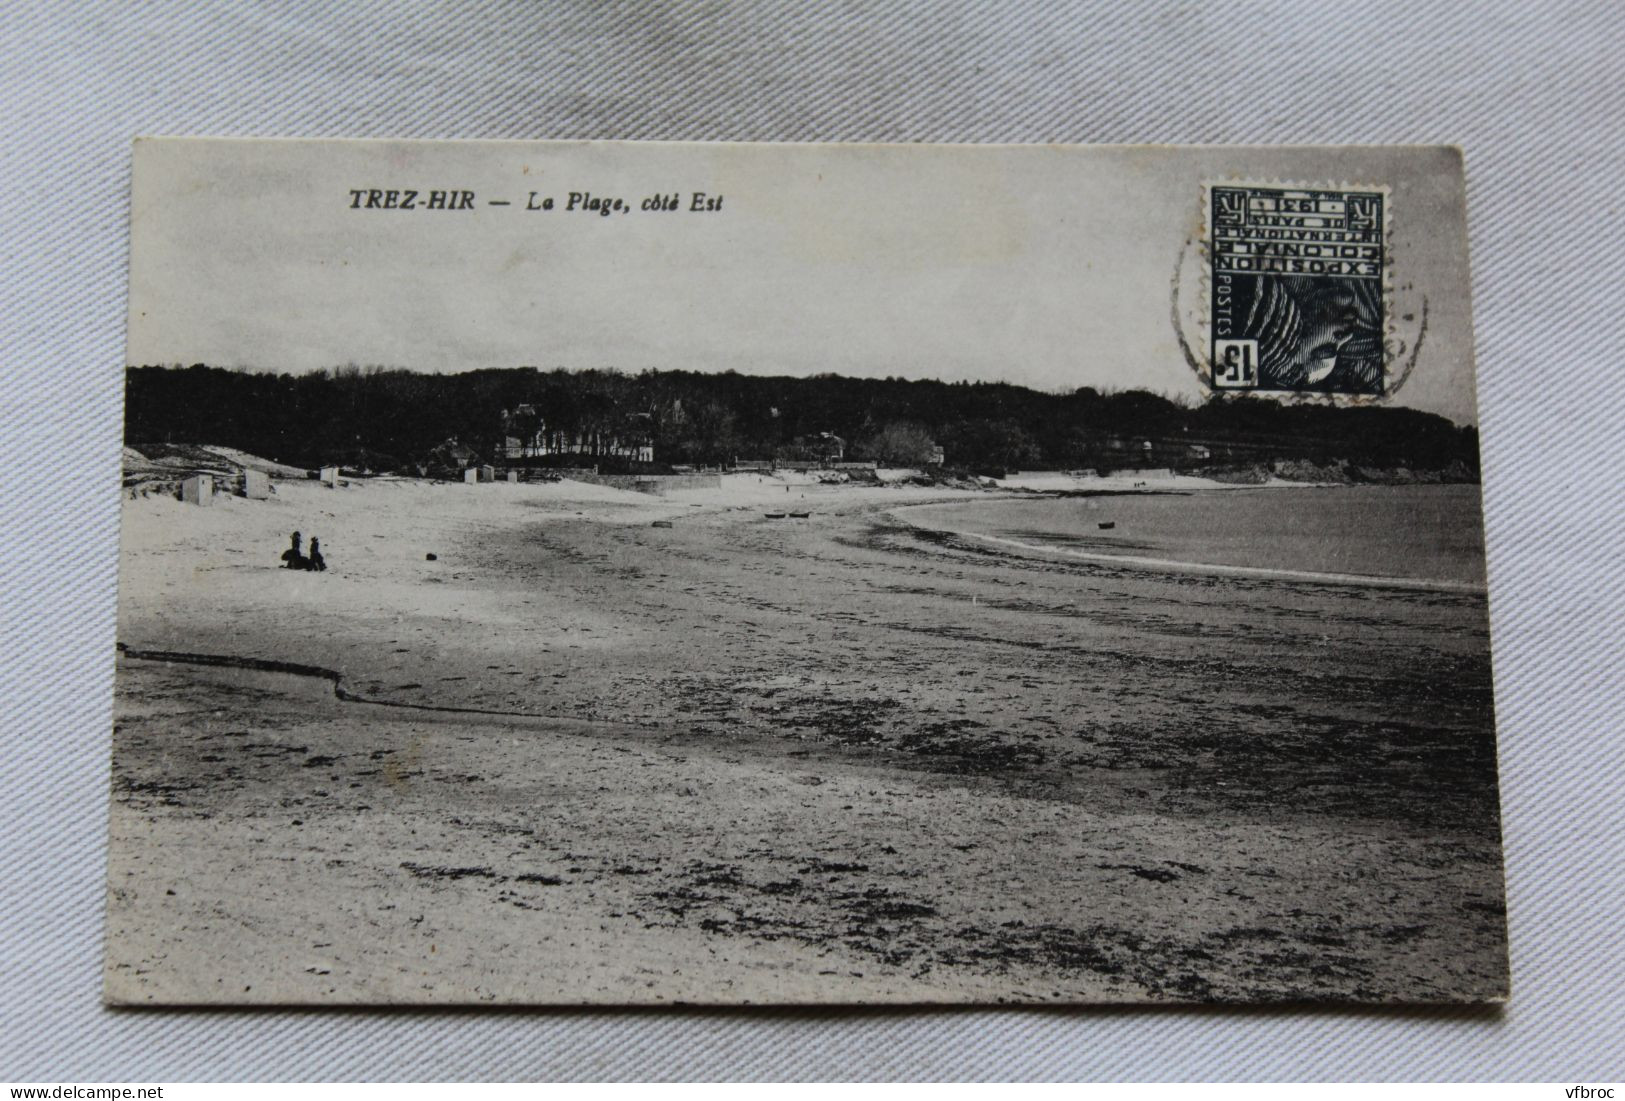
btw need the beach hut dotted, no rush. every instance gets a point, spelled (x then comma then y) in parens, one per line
(198, 490)
(330, 477)
(256, 485)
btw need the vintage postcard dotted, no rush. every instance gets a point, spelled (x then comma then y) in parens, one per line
(560, 573)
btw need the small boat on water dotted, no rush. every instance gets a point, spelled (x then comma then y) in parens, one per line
(1107, 525)
(799, 515)
(774, 515)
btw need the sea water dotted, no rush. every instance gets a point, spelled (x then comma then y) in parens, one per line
(1422, 532)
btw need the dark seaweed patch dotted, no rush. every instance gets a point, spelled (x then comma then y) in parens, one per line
(422, 871)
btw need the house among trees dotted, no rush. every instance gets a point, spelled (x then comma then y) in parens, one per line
(829, 447)
(448, 460)
(824, 448)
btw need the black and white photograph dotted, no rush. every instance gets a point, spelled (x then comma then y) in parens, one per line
(561, 573)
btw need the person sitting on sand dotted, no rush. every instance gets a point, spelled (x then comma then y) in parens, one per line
(317, 562)
(294, 557)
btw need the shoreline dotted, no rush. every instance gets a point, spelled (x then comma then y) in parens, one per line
(1213, 569)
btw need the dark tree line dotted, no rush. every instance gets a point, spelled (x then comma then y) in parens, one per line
(390, 419)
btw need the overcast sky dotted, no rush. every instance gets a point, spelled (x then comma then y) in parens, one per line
(1053, 267)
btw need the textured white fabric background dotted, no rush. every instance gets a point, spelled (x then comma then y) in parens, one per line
(1533, 92)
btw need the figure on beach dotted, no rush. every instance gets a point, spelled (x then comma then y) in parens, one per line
(294, 557)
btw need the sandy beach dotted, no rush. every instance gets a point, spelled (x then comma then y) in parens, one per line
(860, 756)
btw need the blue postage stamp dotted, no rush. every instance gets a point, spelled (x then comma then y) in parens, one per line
(1297, 284)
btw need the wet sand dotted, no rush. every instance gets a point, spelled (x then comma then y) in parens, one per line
(835, 759)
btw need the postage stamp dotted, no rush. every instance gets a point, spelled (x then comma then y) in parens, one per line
(1298, 285)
